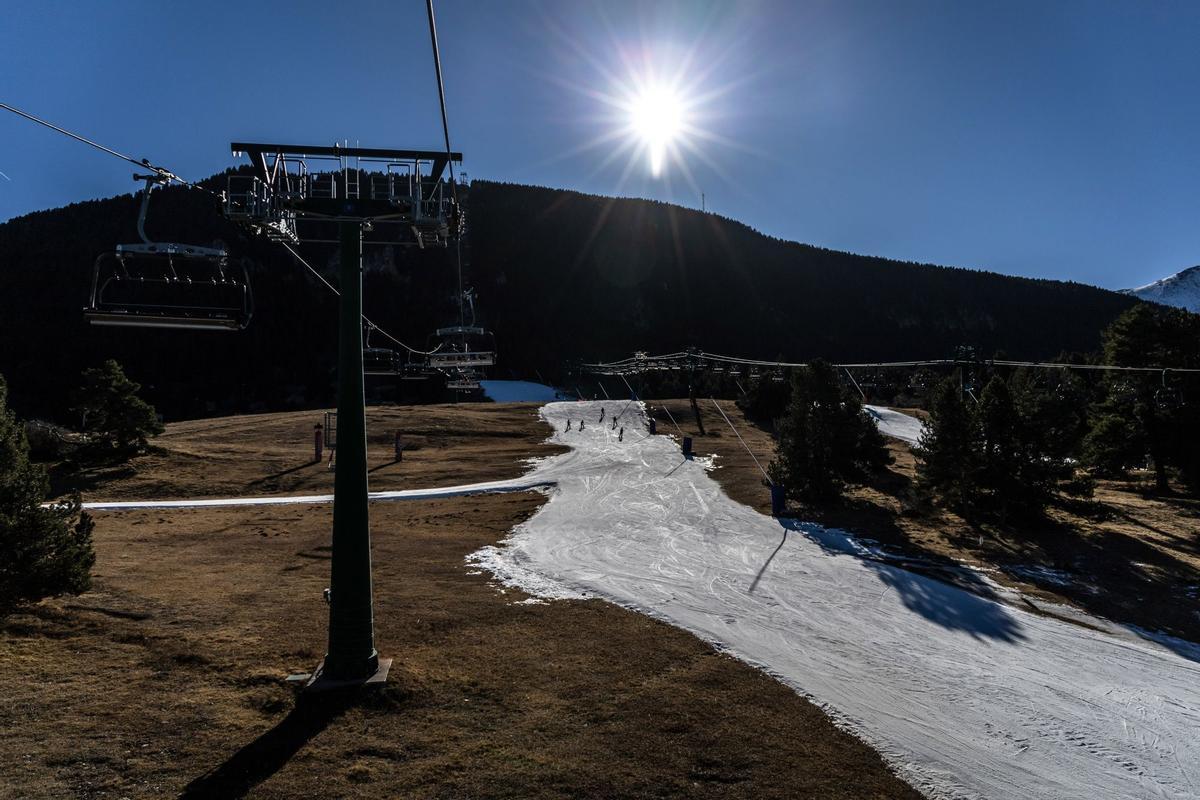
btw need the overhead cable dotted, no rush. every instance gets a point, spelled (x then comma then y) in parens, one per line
(333, 289)
(161, 172)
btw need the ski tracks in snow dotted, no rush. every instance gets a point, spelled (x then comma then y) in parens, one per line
(965, 696)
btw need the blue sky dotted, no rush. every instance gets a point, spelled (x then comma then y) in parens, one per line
(1050, 139)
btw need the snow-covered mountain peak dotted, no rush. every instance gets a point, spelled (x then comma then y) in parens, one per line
(1181, 290)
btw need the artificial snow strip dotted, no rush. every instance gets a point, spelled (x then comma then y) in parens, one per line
(489, 487)
(965, 696)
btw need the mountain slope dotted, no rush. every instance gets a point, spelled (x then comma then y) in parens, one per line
(559, 276)
(1181, 290)
(602, 277)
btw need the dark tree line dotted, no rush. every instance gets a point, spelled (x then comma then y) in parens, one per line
(559, 276)
(1001, 444)
(1150, 417)
(1030, 434)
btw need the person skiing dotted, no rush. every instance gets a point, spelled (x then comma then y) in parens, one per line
(568, 424)
(621, 435)
(602, 413)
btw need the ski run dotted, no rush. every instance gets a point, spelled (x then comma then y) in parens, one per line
(965, 696)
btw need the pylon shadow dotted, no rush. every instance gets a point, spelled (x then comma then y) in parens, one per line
(271, 751)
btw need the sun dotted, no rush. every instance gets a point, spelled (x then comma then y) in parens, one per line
(653, 105)
(657, 117)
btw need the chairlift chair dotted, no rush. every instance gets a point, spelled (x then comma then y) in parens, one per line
(167, 285)
(381, 361)
(1166, 397)
(463, 380)
(462, 347)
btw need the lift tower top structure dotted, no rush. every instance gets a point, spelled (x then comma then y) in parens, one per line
(391, 191)
(295, 193)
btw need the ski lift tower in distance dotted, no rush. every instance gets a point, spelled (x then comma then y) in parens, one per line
(302, 193)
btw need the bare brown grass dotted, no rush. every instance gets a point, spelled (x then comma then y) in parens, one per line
(167, 679)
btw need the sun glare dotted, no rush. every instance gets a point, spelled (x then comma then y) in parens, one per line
(656, 116)
(655, 105)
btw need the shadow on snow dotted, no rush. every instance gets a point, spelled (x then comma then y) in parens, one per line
(972, 608)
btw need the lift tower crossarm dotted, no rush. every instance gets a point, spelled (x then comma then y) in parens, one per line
(258, 152)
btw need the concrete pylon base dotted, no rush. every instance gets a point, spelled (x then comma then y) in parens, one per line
(319, 682)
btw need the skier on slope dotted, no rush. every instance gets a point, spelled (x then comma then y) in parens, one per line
(602, 413)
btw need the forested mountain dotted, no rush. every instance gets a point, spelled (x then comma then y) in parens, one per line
(559, 276)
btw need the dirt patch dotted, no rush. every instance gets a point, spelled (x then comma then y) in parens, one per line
(167, 679)
(1125, 554)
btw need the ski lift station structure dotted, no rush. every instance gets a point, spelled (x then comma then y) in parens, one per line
(152, 284)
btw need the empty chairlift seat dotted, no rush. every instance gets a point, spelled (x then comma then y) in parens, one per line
(463, 381)
(462, 347)
(169, 286)
(381, 361)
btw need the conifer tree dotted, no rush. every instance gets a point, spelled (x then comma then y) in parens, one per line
(765, 400)
(1001, 455)
(43, 551)
(1143, 415)
(825, 439)
(111, 411)
(948, 453)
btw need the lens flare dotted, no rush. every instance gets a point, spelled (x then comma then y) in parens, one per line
(656, 117)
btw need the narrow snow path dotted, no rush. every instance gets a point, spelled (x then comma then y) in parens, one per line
(489, 487)
(965, 696)
(893, 423)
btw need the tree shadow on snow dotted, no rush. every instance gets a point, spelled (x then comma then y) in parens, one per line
(958, 599)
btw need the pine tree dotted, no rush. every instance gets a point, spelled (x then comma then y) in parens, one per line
(111, 411)
(1142, 415)
(766, 400)
(825, 439)
(1002, 460)
(43, 551)
(948, 454)
(1117, 440)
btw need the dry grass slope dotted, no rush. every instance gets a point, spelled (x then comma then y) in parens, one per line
(166, 680)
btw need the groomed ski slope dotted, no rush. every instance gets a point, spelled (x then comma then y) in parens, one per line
(893, 423)
(965, 697)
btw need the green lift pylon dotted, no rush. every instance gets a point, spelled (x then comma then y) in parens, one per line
(352, 656)
(399, 196)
